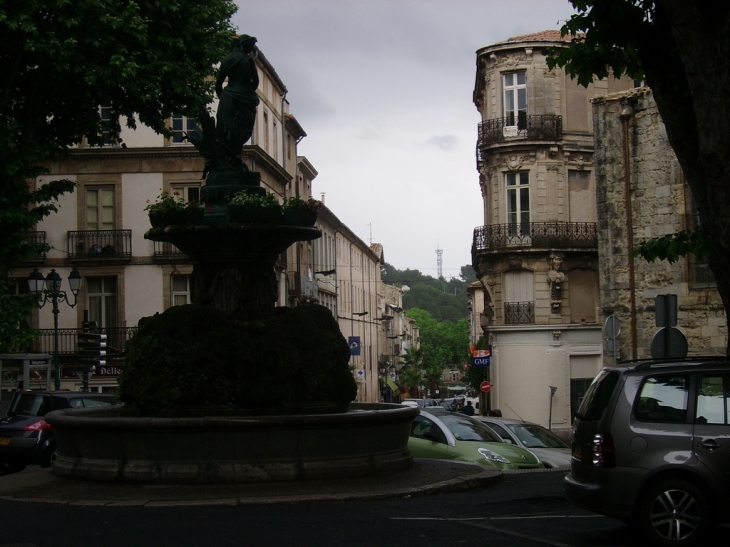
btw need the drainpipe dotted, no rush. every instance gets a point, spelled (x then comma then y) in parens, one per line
(625, 116)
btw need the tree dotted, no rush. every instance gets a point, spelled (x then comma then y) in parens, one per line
(411, 372)
(443, 344)
(682, 49)
(61, 62)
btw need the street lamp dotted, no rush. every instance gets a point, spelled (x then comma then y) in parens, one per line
(52, 293)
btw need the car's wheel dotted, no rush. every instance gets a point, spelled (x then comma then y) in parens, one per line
(7, 468)
(674, 513)
(49, 457)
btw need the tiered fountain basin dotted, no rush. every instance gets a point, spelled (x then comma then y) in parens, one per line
(108, 445)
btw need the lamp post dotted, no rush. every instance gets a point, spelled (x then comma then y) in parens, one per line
(48, 289)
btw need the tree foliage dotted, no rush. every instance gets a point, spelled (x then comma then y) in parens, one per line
(444, 300)
(682, 50)
(444, 344)
(672, 247)
(61, 61)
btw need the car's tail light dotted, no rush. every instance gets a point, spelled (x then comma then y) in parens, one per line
(602, 448)
(40, 425)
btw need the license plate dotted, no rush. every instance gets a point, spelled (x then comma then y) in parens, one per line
(4, 441)
(578, 452)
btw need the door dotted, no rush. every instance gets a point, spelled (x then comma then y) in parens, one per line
(712, 426)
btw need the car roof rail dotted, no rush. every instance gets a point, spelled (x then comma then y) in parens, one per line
(691, 360)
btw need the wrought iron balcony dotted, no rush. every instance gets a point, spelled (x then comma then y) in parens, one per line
(68, 340)
(32, 236)
(100, 244)
(167, 251)
(536, 128)
(539, 235)
(519, 313)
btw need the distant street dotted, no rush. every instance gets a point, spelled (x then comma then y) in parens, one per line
(524, 510)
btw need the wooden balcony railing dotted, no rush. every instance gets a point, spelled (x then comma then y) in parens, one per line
(519, 313)
(536, 128)
(100, 244)
(540, 235)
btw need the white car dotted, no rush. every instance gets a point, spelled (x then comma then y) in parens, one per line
(546, 445)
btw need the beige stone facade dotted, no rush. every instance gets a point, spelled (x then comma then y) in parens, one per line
(536, 255)
(660, 204)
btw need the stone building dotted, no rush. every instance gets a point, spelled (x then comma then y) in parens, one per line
(536, 255)
(629, 132)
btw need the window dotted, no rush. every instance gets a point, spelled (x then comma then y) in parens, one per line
(106, 124)
(519, 299)
(518, 205)
(189, 192)
(180, 290)
(276, 142)
(181, 125)
(100, 208)
(266, 131)
(102, 300)
(423, 428)
(700, 268)
(515, 99)
(663, 399)
(712, 401)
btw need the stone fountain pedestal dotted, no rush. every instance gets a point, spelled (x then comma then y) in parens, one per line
(298, 440)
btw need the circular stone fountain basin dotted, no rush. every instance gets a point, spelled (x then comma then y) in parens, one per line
(107, 445)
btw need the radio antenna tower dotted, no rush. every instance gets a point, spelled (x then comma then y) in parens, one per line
(440, 262)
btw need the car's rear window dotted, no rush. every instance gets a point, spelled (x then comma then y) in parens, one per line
(30, 404)
(598, 395)
(87, 402)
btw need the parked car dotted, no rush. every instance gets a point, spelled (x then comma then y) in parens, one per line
(25, 437)
(420, 403)
(546, 445)
(461, 438)
(651, 445)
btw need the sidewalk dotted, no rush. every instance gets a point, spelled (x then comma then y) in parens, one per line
(425, 477)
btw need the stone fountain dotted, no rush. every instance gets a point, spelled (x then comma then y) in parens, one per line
(231, 388)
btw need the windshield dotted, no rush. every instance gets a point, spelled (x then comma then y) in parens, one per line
(466, 430)
(535, 436)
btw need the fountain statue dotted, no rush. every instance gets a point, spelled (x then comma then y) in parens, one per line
(231, 388)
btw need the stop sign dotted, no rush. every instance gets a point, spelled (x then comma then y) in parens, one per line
(485, 386)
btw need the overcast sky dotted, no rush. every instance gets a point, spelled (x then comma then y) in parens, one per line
(383, 89)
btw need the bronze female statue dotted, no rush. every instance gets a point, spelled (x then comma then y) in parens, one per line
(238, 100)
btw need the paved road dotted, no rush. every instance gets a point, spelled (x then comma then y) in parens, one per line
(524, 510)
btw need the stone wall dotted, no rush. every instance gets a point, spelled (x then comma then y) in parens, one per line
(661, 204)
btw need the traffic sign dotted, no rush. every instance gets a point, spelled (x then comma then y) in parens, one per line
(485, 386)
(613, 327)
(669, 343)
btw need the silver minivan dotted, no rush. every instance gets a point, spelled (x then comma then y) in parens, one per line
(651, 446)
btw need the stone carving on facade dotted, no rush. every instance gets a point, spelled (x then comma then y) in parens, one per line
(514, 162)
(555, 279)
(580, 162)
(515, 262)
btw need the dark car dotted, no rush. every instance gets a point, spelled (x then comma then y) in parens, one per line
(651, 445)
(25, 437)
